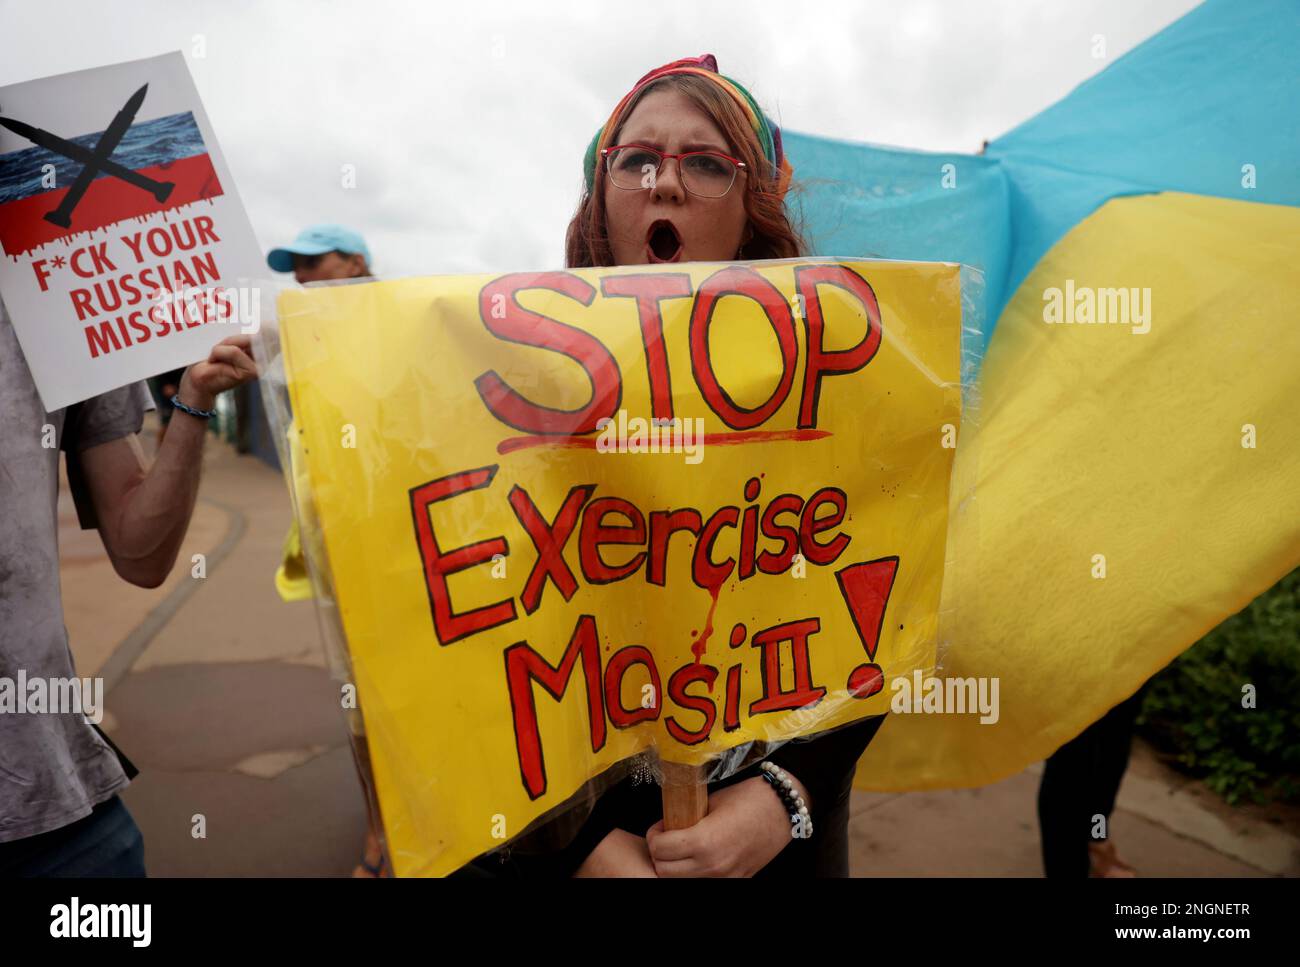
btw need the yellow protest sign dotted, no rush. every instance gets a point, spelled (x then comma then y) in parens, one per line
(572, 516)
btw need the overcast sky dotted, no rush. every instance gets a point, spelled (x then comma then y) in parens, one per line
(466, 123)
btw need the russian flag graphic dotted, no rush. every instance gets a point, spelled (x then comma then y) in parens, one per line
(128, 171)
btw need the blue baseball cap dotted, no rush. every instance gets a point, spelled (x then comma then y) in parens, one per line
(317, 240)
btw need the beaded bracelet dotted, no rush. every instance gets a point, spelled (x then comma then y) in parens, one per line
(800, 822)
(203, 414)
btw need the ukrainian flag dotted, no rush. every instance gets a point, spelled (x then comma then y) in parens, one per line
(1129, 474)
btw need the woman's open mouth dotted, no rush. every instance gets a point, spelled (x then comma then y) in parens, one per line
(663, 244)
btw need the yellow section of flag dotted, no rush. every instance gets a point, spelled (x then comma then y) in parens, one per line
(1132, 478)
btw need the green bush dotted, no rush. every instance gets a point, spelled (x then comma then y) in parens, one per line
(1193, 709)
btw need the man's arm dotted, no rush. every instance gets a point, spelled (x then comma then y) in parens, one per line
(144, 511)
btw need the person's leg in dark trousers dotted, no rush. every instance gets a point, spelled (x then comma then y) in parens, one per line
(105, 843)
(1063, 816)
(1080, 782)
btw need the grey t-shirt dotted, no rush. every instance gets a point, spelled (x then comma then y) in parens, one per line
(54, 767)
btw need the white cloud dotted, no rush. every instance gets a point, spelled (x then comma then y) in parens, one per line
(467, 123)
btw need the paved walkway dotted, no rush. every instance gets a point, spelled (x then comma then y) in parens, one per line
(218, 691)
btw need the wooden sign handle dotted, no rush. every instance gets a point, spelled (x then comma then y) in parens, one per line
(685, 795)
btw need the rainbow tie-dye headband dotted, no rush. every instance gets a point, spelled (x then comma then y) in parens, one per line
(706, 65)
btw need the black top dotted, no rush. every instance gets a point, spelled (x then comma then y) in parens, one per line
(824, 763)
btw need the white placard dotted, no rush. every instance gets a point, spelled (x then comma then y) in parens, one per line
(126, 250)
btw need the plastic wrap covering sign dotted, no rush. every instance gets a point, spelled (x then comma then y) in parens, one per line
(571, 516)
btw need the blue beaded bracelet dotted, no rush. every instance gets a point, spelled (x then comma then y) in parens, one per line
(203, 414)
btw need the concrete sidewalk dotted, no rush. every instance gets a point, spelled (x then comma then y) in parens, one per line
(218, 692)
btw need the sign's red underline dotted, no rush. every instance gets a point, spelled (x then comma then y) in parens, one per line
(709, 439)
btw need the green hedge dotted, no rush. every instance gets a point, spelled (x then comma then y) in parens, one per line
(1193, 710)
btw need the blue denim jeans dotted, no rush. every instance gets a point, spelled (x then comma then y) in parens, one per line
(105, 843)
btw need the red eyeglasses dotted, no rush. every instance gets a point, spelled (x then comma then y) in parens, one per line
(708, 174)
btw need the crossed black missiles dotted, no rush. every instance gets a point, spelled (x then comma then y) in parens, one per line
(93, 161)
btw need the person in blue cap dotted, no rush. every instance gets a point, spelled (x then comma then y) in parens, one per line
(323, 253)
(330, 253)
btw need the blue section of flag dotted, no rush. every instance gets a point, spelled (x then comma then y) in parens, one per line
(144, 145)
(863, 200)
(1185, 111)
